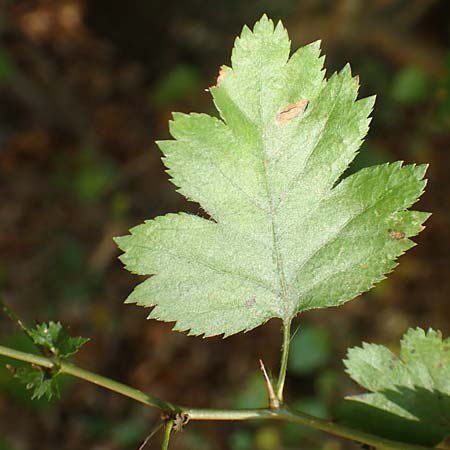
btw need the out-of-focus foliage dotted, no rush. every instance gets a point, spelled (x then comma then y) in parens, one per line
(411, 85)
(310, 350)
(443, 96)
(179, 84)
(7, 67)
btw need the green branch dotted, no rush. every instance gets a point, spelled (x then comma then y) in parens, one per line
(287, 414)
(283, 414)
(91, 377)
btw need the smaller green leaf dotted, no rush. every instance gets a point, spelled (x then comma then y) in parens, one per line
(411, 391)
(42, 383)
(52, 337)
(10, 385)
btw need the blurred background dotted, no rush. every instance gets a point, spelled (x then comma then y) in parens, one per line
(86, 87)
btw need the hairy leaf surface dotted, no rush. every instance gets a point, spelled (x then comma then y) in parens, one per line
(284, 234)
(409, 395)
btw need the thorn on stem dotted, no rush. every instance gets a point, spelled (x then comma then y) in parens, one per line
(274, 402)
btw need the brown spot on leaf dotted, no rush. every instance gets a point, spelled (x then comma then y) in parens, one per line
(291, 111)
(397, 235)
(250, 302)
(221, 75)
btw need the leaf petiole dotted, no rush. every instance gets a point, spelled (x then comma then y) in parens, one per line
(284, 359)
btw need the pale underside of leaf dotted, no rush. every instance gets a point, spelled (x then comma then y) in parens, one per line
(283, 235)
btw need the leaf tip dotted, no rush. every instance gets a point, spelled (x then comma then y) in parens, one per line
(264, 24)
(421, 170)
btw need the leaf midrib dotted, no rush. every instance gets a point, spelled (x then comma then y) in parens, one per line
(275, 244)
(285, 289)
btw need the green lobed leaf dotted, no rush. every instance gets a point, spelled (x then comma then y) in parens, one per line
(39, 381)
(284, 235)
(409, 395)
(54, 338)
